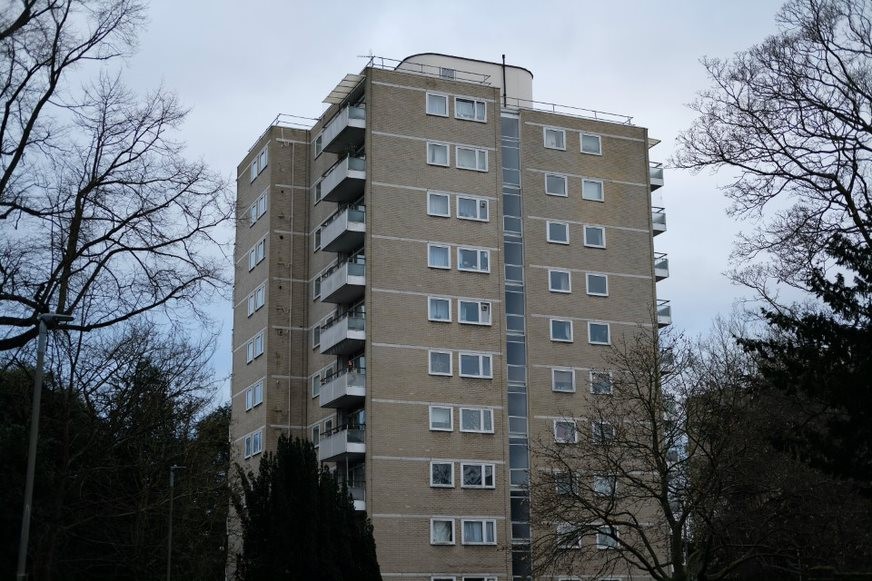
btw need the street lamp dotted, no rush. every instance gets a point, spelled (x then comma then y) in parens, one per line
(173, 469)
(46, 320)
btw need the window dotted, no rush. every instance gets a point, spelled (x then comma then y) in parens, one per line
(595, 236)
(558, 232)
(257, 254)
(555, 185)
(600, 382)
(475, 365)
(256, 299)
(602, 432)
(439, 309)
(604, 485)
(438, 256)
(441, 418)
(592, 190)
(561, 330)
(446, 73)
(473, 259)
(253, 443)
(263, 159)
(474, 312)
(441, 531)
(437, 154)
(479, 531)
(319, 145)
(591, 144)
(597, 285)
(477, 475)
(480, 420)
(252, 174)
(567, 536)
(437, 104)
(316, 384)
(316, 335)
(317, 239)
(565, 432)
(472, 208)
(254, 347)
(471, 158)
(316, 435)
(607, 538)
(563, 483)
(258, 208)
(254, 395)
(442, 474)
(316, 288)
(563, 380)
(440, 363)
(555, 138)
(318, 191)
(559, 281)
(598, 334)
(438, 204)
(471, 109)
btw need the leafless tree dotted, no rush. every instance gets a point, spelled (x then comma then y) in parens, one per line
(100, 213)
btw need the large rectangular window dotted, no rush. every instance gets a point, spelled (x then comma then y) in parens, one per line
(480, 420)
(476, 365)
(469, 208)
(554, 138)
(471, 158)
(437, 104)
(477, 475)
(473, 259)
(479, 531)
(474, 312)
(561, 330)
(437, 154)
(470, 109)
(440, 363)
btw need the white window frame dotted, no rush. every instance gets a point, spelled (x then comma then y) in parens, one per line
(430, 354)
(316, 239)
(252, 174)
(481, 359)
(598, 436)
(611, 485)
(548, 224)
(483, 466)
(316, 188)
(253, 443)
(479, 252)
(430, 263)
(588, 197)
(483, 307)
(447, 197)
(563, 528)
(565, 185)
(482, 413)
(450, 409)
(545, 131)
(478, 151)
(255, 347)
(587, 278)
(435, 485)
(427, 104)
(608, 331)
(256, 299)
(574, 439)
(319, 144)
(430, 316)
(484, 527)
(316, 435)
(478, 206)
(257, 254)
(315, 382)
(316, 335)
(555, 371)
(604, 541)
(254, 395)
(475, 104)
(262, 159)
(447, 153)
(591, 375)
(551, 322)
(599, 140)
(433, 540)
(588, 227)
(552, 288)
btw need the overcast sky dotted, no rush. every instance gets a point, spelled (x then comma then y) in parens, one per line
(238, 65)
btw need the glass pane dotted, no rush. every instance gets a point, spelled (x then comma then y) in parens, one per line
(437, 104)
(438, 256)
(470, 419)
(593, 236)
(467, 208)
(465, 109)
(439, 309)
(472, 475)
(555, 185)
(509, 127)
(440, 418)
(469, 311)
(590, 144)
(518, 404)
(592, 190)
(558, 232)
(437, 154)
(441, 473)
(438, 205)
(596, 284)
(469, 365)
(599, 333)
(440, 362)
(468, 258)
(472, 532)
(466, 158)
(487, 421)
(563, 380)
(513, 253)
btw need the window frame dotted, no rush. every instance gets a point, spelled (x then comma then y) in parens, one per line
(447, 153)
(447, 248)
(450, 409)
(564, 528)
(482, 412)
(545, 131)
(608, 332)
(554, 371)
(427, 104)
(612, 483)
(476, 151)
(551, 321)
(433, 540)
(483, 466)
(552, 288)
(252, 172)
(574, 424)
(434, 194)
(589, 198)
(548, 238)
(478, 260)
(478, 201)
(484, 522)
(598, 436)
(589, 227)
(481, 358)
(591, 374)
(451, 474)
(565, 179)
(612, 537)
(316, 435)
(430, 316)
(475, 102)
(430, 353)
(254, 395)
(318, 144)
(599, 139)
(263, 159)
(489, 310)
(587, 277)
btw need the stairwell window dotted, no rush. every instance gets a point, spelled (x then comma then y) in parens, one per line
(471, 158)
(470, 109)
(437, 104)
(554, 138)
(473, 259)
(437, 154)
(476, 365)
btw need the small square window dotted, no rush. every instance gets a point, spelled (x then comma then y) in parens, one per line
(604, 485)
(441, 418)
(439, 309)
(602, 432)
(564, 483)
(447, 73)
(442, 531)
(471, 158)
(559, 281)
(565, 432)
(440, 363)
(597, 285)
(477, 475)
(601, 382)
(438, 256)
(595, 236)
(437, 154)
(472, 208)
(438, 204)
(474, 312)
(555, 138)
(470, 109)
(592, 190)
(479, 532)
(437, 104)
(563, 380)
(442, 474)
(473, 259)
(591, 144)
(598, 333)
(607, 538)
(557, 232)
(561, 330)
(480, 420)
(476, 365)
(568, 536)
(555, 185)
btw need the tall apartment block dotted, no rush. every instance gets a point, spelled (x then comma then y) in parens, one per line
(427, 278)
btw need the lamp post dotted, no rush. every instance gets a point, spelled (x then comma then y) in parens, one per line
(45, 320)
(173, 469)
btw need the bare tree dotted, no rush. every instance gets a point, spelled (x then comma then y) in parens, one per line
(100, 213)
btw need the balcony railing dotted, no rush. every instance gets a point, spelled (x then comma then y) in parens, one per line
(345, 283)
(658, 220)
(343, 335)
(661, 265)
(655, 173)
(344, 389)
(345, 130)
(341, 443)
(344, 230)
(344, 181)
(664, 313)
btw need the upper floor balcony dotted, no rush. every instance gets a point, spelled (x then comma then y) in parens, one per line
(664, 313)
(344, 442)
(345, 131)
(655, 173)
(658, 220)
(345, 282)
(344, 389)
(344, 335)
(344, 181)
(344, 230)
(661, 266)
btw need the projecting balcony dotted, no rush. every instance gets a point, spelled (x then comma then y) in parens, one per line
(655, 173)
(341, 444)
(345, 130)
(658, 220)
(344, 230)
(344, 181)
(664, 314)
(345, 389)
(661, 266)
(345, 283)
(343, 335)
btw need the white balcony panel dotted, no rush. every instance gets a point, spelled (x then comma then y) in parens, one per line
(342, 444)
(344, 182)
(345, 231)
(345, 284)
(658, 220)
(661, 266)
(344, 390)
(655, 173)
(343, 336)
(345, 131)
(664, 313)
